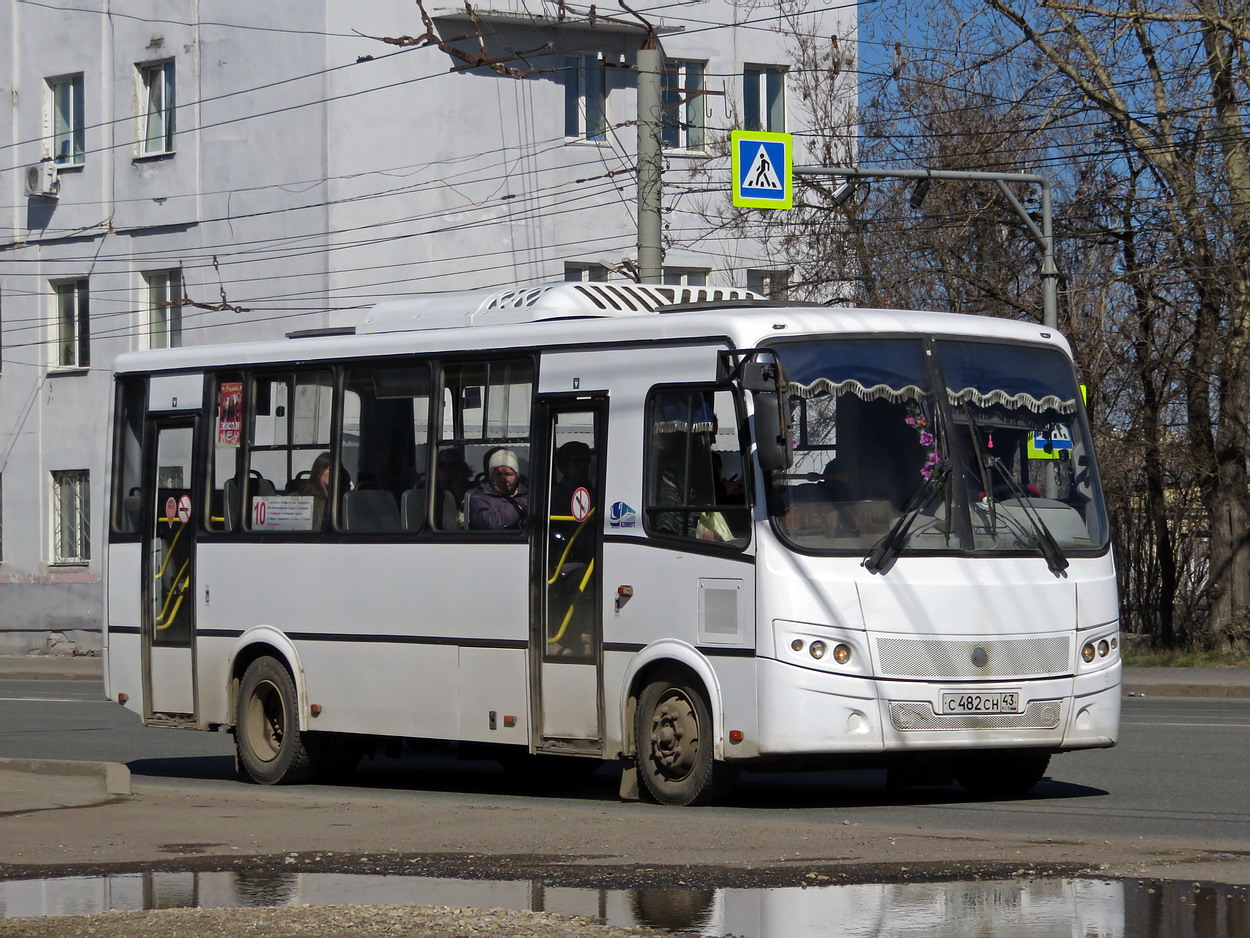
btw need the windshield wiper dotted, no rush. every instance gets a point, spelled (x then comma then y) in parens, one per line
(1050, 548)
(888, 547)
(1046, 542)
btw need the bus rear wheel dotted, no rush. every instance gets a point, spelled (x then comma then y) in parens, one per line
(674, 747)
(271, 749)
(1001, 774)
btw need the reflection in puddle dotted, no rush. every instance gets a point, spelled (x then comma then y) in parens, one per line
(1039, 908)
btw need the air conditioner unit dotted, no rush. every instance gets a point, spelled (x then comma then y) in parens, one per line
(42, 180)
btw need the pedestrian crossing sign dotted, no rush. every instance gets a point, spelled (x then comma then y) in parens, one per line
(763, 169)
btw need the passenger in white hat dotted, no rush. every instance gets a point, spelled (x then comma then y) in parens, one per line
(501, 501)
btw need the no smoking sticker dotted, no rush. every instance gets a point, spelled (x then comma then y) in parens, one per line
(580, 506)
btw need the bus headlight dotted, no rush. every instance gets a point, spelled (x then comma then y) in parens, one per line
(841, 653)
(1103, 648)
(1087, 652)
(817, 649)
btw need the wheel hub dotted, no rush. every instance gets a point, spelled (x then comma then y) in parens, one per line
(674, 737)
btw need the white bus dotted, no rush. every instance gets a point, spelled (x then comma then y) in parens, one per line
(742, 534)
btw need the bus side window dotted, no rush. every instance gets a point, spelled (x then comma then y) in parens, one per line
(287, 444)
(486, 413)
(696, 484)
(227, 438)
(128, 456)
(384, 446)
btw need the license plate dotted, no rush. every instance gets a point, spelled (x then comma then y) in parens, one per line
(963, 702)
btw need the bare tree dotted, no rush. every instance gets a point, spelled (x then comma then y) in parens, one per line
(1166, 82)
(1136, 116)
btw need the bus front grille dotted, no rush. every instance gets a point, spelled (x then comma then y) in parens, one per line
(919, 715)
(958, 659)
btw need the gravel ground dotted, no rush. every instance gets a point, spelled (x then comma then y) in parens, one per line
(319, 921)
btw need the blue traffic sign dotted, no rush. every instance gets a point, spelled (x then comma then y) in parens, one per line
(763, 169)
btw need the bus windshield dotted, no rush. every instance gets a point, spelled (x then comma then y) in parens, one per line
(998, 460)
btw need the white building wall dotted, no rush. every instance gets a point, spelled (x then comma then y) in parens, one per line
(316, 170)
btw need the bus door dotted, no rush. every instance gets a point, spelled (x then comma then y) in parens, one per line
(169, 573)
(566, 631)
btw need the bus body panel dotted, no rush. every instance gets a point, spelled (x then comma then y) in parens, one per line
(357, 612)
(123, 666)
(912, 633)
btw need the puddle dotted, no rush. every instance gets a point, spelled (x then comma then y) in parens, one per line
(1039, 908)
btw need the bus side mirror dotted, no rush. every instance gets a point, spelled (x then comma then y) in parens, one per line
(767, 384)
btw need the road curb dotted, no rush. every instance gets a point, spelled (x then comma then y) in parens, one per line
(114, 776)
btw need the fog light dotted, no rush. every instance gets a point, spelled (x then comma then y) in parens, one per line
(1087, 652)
(1103, 648)
(841, 653)
(797, 644)
(817, 650)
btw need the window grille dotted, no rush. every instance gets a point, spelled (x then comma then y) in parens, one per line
(71, 516)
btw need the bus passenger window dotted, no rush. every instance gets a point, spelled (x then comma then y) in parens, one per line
(128, 456)
(384, 446)
(482, 470)
(696, 480)
(225, 492)
(288, 432)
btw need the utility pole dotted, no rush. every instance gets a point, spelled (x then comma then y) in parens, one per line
(1043, 237)
(650, 165)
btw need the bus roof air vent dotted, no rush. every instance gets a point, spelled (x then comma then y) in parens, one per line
(534, 304)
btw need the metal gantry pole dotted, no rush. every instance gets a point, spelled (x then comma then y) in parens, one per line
(1043, 237)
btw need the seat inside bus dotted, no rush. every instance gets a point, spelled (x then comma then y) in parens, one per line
(233, 497)
(370, 510)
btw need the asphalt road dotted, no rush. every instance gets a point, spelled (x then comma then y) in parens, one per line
(1180, 771)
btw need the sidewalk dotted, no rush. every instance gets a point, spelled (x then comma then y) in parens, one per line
(1225, 683)
(51, 668)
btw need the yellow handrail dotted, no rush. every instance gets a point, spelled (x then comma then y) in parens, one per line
(169, 552)
(569, 546)
(568, 616)
(179, 589)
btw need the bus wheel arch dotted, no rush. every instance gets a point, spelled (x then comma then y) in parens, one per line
(673, 736)
(270, 747)
(261, 642)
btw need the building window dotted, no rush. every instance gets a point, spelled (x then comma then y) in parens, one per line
(764, 98)
(157, 134)
(685, 276)
(585, 97)
(164, 308)
(774, 284)
(73, 316)
(585, 273)
(68, 135)
(71, 514)
(683, 123)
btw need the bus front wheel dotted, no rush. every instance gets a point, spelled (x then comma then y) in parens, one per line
(270, 746)
(674, 745)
